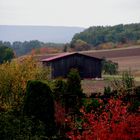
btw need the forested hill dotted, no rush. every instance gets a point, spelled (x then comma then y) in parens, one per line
(97, 35)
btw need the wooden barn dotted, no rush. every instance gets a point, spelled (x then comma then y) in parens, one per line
(88, 66)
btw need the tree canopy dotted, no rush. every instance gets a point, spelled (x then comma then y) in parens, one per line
(26, 47)
(6, 54)
(102, 34)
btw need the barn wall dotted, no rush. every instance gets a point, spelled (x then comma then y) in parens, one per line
(88, 67)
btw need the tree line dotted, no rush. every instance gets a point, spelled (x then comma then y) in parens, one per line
(97, 35)
(23, 48)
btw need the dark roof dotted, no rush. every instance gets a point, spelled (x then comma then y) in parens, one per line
(65, 55)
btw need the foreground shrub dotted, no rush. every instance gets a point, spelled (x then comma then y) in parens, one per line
(13, 127)
(74, 90)
(60, 88)
(107, 91)
(91, 104)
(125, 85)
(13, 80)
(39, 103)
(112, 124)
(74, 82)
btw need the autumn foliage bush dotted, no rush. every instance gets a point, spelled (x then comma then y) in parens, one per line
(111, 121)
(14, 77)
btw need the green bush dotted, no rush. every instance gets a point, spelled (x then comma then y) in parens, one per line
(6, 54)
(109, 67)
(40, 104)
(107, 91)
(74, 91)
(127, 80)
(137, 92)
(60, 88)
(125, 85)
(74, 83)
(14, 127)
(91, 104)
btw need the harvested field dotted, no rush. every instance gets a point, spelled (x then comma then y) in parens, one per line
(127, 63)
(127, 58)
(113, 53)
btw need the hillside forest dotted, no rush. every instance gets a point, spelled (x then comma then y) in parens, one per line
(108, 36)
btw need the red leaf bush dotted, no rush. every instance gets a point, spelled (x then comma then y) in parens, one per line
(111, 122)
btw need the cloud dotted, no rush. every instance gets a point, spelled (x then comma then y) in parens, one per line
(69, 12)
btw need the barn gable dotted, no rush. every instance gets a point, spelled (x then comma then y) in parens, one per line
(88, 67)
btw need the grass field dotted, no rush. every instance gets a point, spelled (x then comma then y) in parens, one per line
(94, 86)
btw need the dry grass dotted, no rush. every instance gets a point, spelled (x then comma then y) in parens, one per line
(94, 86)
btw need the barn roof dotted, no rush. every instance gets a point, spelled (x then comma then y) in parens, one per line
(65, 55)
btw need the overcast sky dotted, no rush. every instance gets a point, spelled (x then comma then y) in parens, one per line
(83, 13)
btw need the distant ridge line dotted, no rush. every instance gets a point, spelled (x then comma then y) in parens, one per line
(55, 34)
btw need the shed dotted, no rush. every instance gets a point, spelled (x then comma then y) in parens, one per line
(88, 66)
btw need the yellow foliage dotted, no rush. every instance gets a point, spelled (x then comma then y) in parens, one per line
(14, 77)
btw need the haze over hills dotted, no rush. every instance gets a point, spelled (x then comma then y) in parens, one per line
(55, 34)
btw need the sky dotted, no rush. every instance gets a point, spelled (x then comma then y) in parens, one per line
(82, 13)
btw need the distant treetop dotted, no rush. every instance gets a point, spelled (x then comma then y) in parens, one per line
(97, 35)
(6, 54)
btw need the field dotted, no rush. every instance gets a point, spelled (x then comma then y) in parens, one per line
(127, 59)
(118, 52)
